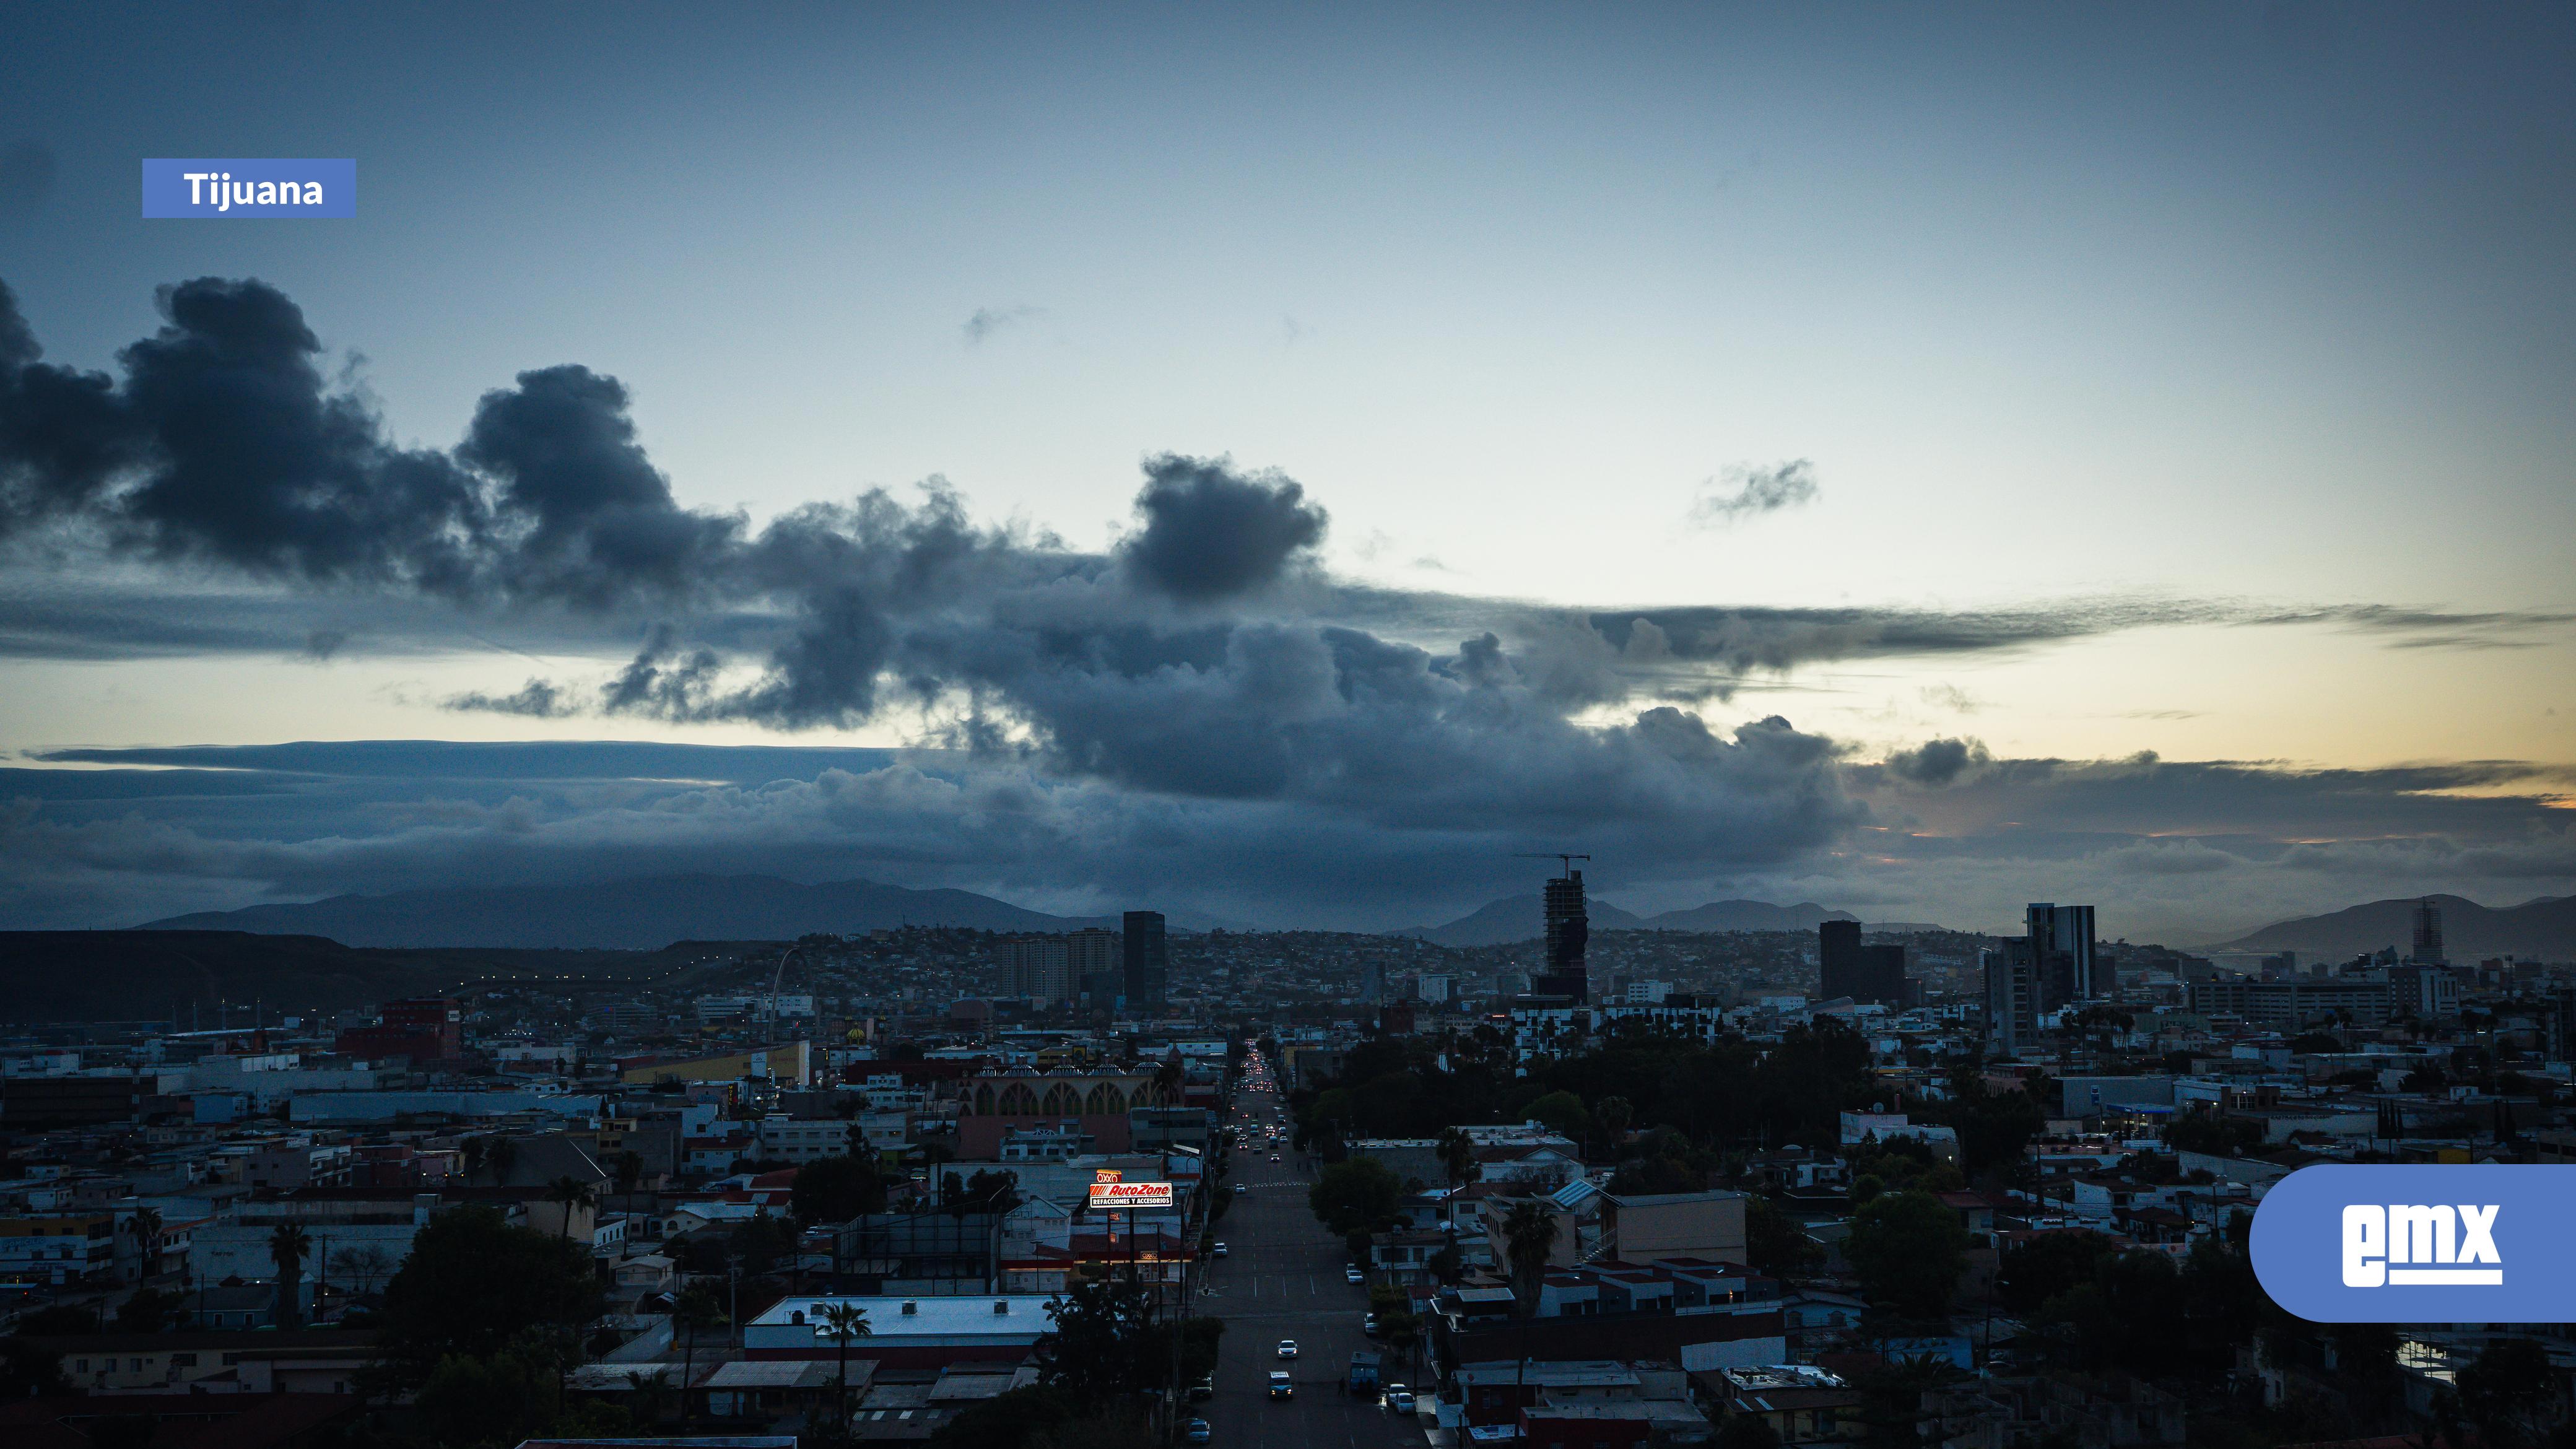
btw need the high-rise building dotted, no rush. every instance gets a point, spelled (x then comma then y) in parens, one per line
(1863, 973)
(1039, 968)
(2064, 956)
(2428, 934)
(1094, 959)
(1147, 961)
(1569, 929)
(2012, 998)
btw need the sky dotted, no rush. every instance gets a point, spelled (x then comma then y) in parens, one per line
(1279, 463)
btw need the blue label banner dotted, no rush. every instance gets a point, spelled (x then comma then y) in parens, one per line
(2420, 1244)
(187, 187)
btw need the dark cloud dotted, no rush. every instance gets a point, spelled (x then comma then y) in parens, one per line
(1939, 762)
(1212, 532)
(1743, 491)
(1198, 707)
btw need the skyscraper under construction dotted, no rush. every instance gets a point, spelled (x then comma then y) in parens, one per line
(1568, 928)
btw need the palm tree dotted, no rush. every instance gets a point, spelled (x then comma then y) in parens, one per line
(697, 1307)
(572, 1194)
(1457, 1155)
(287, 1248)
(147, 1237)
(651, 1392)
(630, 1171)
(501, 1155)
(845, 1321)
(1529, 1237)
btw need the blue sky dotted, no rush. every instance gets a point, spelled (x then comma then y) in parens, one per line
(2176, 318)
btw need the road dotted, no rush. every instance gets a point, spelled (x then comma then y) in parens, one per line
(1282, 1278)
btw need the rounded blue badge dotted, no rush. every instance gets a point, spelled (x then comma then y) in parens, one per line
(2420, 1244)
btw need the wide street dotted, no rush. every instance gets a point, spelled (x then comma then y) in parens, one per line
(1283, 1278)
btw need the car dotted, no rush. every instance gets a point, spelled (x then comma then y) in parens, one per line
(1287, 1348)
(1274, 1157)
(1399, 1399)
(1352, 1274)
(1216, 1250)
(1198, 1432)
(1240, 1189)
(1368, 1325)
(1280, 1387)
(1203, 1389)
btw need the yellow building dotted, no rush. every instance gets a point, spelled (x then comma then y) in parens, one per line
(788, 1064)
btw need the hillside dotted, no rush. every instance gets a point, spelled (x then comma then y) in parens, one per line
(637, 914)
(189, 975)
(1523, 918)
(2543, 929)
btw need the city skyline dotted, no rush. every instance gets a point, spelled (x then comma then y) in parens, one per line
(1793, 457)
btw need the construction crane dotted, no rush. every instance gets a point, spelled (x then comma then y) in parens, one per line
(1557, 855)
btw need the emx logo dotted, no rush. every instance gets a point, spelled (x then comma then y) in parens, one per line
(2420, 1243)
(2435, 1241)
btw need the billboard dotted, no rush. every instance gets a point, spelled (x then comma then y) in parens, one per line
(1131, 1194)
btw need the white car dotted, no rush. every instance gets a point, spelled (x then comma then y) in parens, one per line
(1351, 1274)
(1399, 1399)
(1287, 1348)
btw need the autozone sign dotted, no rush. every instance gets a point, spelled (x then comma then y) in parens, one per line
(1131, 1194)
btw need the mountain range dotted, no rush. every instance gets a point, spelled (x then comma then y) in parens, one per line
(2542, 929)
(1523, 918)
(642, 913)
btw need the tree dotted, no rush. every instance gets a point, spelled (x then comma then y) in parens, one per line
(473, 1285)
(287, 1248)
(30, 1372)
(571, 1194)
(1909, 1250)
(630, 1172)
(148, 1311)
(1562, 1113)
(147, 1237)
(696, 1308)
(1022, 1417)
(1096, 1352)
(1747, 1431)
(501, 1156)
(1457, 1156)
(1358, 1195)
(2047, 1264)
(651, 1395)
(844, 1321)
(1612, 1116)
(2507, 1388)
(1776, 1243)
(835, 1190)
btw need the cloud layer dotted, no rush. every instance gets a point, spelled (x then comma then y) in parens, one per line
(1199, 708)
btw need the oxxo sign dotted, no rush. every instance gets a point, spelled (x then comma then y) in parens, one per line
(2414, 1244)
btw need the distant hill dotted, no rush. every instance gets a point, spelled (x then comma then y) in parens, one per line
(637, 914)
(2543, 929)
(1747, 916)
(1523, 918)
(187, 976)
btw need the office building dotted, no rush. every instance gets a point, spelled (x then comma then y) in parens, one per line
(1569, 929)
(2012, 999)
(1147, 961)
(2063, 954)
(1863, 973)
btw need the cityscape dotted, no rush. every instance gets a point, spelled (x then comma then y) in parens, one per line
(787, 726)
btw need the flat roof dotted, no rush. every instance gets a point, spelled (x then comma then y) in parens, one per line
(1019, 1314)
